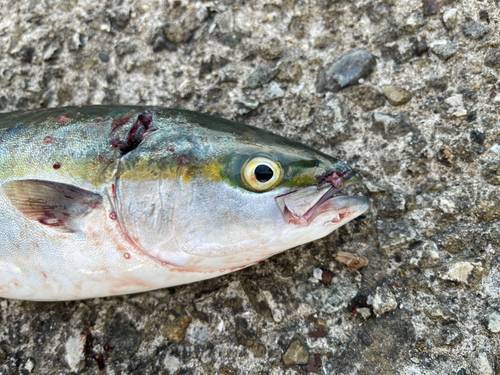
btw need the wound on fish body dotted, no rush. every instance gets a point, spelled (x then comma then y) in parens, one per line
(151, 197)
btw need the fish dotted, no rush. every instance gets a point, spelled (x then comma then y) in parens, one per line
(110, 200)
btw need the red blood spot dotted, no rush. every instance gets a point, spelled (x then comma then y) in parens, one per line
(163, 264)
(335, 179)
(44, 275)
(113, 215)
(222, 270)
(56, 166)
(63, 119)
(126, 256)
(116, 143)
(119, 122)
(358, 301)
(171, 148)
(204, 139)
(134, 137)
(137, 132)
(183, 159)
(48, 140)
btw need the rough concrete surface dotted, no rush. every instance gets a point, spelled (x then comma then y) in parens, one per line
(408, 92)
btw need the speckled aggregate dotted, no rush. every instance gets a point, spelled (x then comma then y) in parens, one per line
(431, 166)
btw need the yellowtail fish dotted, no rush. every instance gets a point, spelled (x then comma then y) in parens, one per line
(100, 201)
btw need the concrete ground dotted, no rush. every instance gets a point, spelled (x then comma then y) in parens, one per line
(416, 111)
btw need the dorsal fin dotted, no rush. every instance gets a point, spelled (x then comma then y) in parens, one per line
(50, 203)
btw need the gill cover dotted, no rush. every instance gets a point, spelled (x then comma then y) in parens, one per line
(201, 193)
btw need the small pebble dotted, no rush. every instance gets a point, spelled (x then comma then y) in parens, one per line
(252, 104)
(459, 272)
(51, 51)
(104, 56)
(318, 273)
(492, 58)
(290, 73)
(364, 312)
(484, 15)
(431, 6)
(124, 48)
(366, 97)
(482, 364)
(474, 30)
(296, 355)
(383, 301)
(320, 324)
(443, 49)
(273, 92)
(346, 71)
(374, 187)
(443, 313)
(456, 106)
(396, 95)
(450, 18)
(318, 333)
(314, 363)
(413, 23)
(494, 322)
(491, 172)
(175, 330)
(119, 16)
(272, 50)
(175, 34)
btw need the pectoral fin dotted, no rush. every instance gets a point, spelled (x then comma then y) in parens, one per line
(54, 204)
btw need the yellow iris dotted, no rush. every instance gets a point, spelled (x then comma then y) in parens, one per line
(261, 173)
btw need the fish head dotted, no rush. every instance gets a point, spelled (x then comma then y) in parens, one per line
(220, 195)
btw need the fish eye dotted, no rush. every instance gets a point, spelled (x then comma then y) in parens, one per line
(261, 173)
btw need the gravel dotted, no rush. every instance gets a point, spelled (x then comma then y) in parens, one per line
(396, 95)
(428, 302)
(346, 71)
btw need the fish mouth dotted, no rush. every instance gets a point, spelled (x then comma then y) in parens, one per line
(302, 206)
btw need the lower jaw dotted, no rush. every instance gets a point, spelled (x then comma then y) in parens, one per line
(334, 210)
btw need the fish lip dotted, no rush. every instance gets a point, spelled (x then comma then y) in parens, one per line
(330, 185)
(340, 178)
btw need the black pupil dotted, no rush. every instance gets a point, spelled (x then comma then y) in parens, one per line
(263, 173)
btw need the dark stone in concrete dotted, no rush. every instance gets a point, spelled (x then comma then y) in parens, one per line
(346, 71)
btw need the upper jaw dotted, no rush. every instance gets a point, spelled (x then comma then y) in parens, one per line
(301, 207)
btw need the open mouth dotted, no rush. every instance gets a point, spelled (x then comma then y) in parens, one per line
(301, 207)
